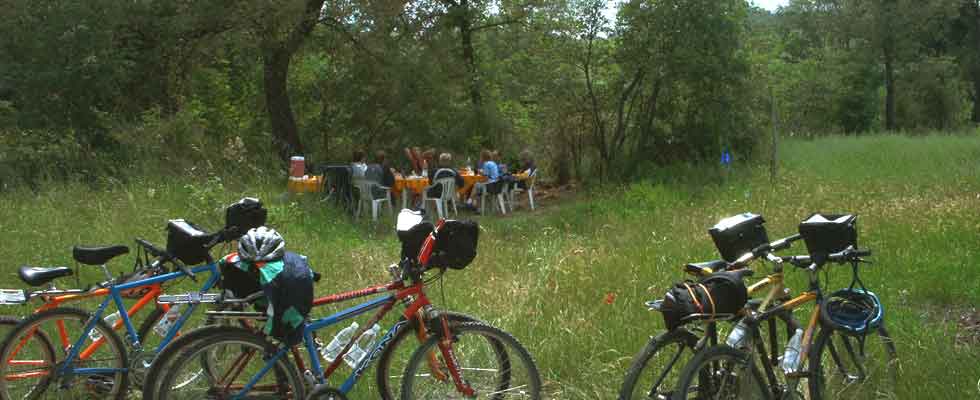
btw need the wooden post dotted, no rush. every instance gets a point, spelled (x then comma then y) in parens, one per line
(772, 161)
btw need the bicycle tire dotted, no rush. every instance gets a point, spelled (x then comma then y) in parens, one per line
(717, 355)
(118, 382)
(502, 375)
(384, 373)
(165, 358)
(284, 370)
(884, 375)
(661, 387)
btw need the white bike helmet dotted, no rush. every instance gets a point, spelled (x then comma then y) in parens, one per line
(261, 244)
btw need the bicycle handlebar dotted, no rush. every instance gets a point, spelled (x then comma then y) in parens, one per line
(766, 249)
(846, 255)
(153, 250)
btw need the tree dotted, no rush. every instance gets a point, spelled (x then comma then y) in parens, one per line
(281, 36)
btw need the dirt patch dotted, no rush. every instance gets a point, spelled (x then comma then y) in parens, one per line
(966, 320)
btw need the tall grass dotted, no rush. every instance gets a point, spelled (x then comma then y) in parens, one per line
(570, 279)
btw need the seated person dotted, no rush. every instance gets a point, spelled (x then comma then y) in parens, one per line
(488, 168)
(381, 173)
(428, 161)
(414, 159)
(445, 171)
(527, 166)
(357, 165)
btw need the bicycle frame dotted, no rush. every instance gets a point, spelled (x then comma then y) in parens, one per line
(413, 294)
(414, 297)
(78, 348)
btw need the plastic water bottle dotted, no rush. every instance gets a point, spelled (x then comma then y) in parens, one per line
(163, 326)
(739, 337)
(791, 359)
(110, 320)
(331, 350)
(359, 350)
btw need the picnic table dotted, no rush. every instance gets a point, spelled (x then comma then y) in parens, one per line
(418, 183)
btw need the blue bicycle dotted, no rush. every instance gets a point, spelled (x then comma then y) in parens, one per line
(65, 352)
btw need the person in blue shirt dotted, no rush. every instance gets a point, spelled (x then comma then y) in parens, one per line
(489, 166)
(489, 169)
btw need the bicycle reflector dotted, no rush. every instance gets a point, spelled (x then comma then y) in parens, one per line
(852, 311)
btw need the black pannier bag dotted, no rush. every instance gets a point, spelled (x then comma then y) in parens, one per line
(720, 293)
(739, 234)
(291, 296)
(245, 214)
(288, 295)
(186, 242)
(237, 279)
(828, 233)
(455, 244)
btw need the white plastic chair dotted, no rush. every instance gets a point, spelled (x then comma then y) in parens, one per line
(442, 202)
(366, 195)
(500, 202)
(529, 182)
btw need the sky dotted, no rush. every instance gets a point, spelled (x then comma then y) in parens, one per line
(770, 5)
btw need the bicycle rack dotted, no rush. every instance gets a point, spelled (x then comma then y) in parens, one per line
(13, 297)
(189, 298)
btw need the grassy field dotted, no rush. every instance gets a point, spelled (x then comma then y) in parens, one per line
(569, 280)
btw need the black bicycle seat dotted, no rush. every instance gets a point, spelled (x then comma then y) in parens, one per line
(37, 276)
(97, 255)
(705, 268)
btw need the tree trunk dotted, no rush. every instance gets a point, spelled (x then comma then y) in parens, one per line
(285, 136)
(889, 89)
(469, 55)
(888, 51)
(276, 57)
(976, 62)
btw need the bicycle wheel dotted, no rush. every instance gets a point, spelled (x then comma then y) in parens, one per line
(394, 357)
(161, 364)
(721, 372)
(654, 371)
(236, 356)
(31, 369)
(846, 367)
(476, 348)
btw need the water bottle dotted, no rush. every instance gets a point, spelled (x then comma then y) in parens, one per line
(739, 337)
(332, 349)
(163, 326)
(110, 320)
(359, 350)
(791, 359)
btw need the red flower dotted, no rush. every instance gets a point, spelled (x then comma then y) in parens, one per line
(610, 297)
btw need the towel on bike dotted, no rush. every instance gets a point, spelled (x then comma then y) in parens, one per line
(288, 287)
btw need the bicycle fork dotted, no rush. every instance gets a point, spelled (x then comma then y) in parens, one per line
(446, 348)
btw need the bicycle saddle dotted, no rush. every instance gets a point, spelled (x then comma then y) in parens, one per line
(97, 255)
(37, 276)
(705, 268)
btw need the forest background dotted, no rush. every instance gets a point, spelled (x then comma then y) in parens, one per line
(100, 90)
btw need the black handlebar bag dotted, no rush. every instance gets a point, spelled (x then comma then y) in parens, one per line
(455, 245)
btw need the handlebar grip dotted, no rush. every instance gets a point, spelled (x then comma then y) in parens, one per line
(784, 243)
(153, 250)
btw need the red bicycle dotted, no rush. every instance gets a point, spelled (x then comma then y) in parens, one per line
(458, 356)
